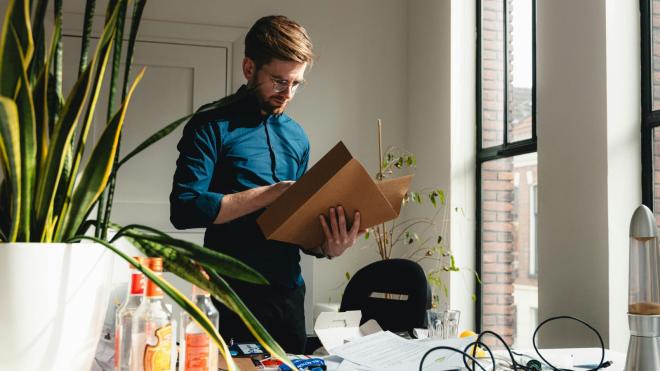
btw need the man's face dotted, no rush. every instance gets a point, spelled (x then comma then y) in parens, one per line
(275, 82)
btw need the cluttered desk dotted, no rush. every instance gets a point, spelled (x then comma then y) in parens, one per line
(349, 346)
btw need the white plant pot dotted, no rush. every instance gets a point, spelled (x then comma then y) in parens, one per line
(53, 299)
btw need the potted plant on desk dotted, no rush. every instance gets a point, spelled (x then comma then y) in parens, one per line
(421, 237)
(52, 287)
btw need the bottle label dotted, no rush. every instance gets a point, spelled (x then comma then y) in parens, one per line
(197, 352)
(157, 357)
(137, 284)
(153, 290)
(116, 345)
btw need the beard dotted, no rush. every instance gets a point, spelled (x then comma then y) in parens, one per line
(268, 104)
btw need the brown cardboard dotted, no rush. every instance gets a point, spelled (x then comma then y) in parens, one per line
(336, 179)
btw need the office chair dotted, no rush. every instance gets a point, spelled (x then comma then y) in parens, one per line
(394, 292)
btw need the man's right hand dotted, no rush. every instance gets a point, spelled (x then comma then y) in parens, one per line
(236, 205)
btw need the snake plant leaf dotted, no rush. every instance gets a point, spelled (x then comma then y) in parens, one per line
(57, 61)
(16, 46)
(62, 133)
(138, 9)
(217, 286)
(90, 6)
(180, 266)
(25, 106)
(39, 38)
(95, 176)
(10, 153)
(87, 123)
(227, 296)
(173, 293)
(206, 257)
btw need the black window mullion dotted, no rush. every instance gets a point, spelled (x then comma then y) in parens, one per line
(534, 73)
(505, 38)
(650, 119)
(506, 149)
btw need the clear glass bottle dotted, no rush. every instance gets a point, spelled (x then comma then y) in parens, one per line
(124, 317)
(199, 352)
(153, 329)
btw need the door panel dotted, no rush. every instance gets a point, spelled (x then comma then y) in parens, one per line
(178, 79)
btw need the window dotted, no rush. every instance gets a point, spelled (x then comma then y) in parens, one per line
(650, 28)
(506, 165)
(533, 230)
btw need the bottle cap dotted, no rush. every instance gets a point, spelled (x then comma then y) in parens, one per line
(140, 259)
(156, 264)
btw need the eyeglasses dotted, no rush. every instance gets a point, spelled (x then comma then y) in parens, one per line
(280, 85)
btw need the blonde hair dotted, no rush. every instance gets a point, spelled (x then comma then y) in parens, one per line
(278, 37)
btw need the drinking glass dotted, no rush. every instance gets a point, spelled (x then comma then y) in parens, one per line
(442, 324)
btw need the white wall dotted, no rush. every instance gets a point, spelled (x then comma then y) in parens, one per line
(623, 153)
(440, 131)
(463, 143)
(589, 164)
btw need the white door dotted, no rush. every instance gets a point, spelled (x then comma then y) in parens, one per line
(178, 79)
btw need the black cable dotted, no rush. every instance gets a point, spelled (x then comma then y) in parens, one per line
(474, 352)
(602, 363)
(421, 363)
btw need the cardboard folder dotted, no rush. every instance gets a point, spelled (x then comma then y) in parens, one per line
(336, 179)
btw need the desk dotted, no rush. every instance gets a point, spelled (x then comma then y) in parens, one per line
(571, 357)
(566, 358)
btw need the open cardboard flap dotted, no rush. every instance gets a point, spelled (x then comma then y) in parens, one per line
(336, 179)
(336, 328)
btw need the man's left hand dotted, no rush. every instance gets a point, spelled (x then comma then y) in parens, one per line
(337, 237)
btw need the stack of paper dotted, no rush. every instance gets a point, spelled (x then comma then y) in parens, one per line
(387, 351)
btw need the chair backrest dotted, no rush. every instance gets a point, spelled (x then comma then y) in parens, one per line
(394, 292)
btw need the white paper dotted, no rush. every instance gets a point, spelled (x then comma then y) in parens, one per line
(387, 351)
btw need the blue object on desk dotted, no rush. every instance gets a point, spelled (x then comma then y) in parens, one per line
(311, 364)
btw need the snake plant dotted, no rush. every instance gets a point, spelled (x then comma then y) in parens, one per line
(46, 194)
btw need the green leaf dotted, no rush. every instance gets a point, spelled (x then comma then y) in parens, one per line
(216, 285)
(57, 60)
(173, 293)
(90, 5)
(10, 153)
(104, 53)
(208, 258)
(348, 276)
(96, 173)
(25, 106)
(16, 46)
(229, 297)
(60, 144)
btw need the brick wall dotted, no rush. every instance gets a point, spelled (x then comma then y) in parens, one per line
(505, 198)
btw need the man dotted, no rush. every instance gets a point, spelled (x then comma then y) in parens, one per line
(236, 160)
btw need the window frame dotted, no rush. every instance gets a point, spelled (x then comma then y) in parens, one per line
(650, 118)
(506, 149)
